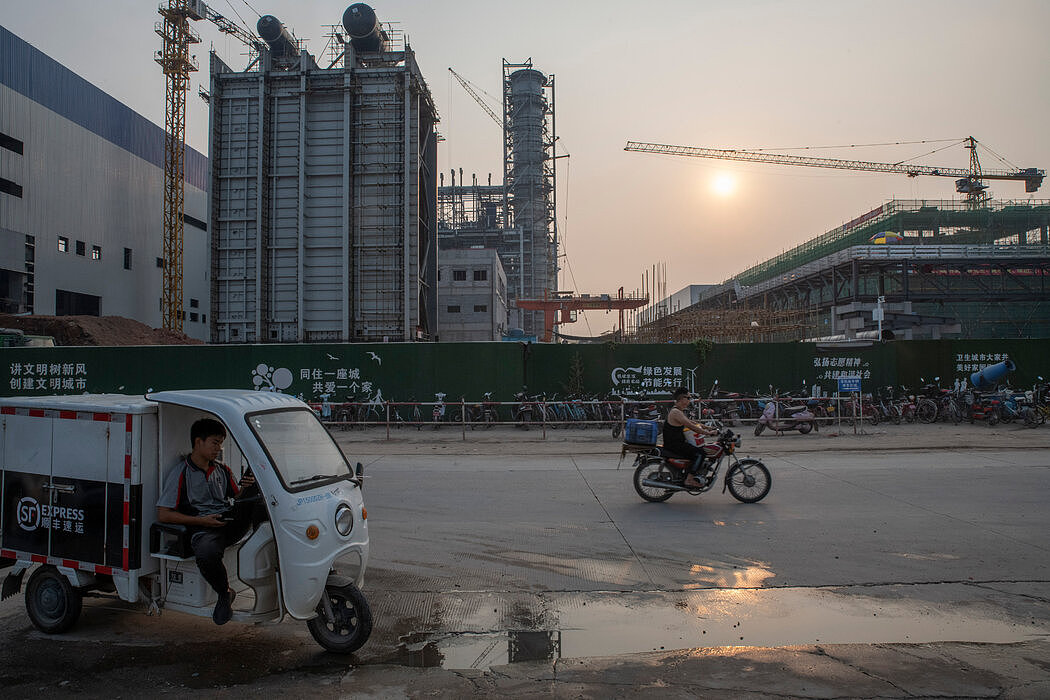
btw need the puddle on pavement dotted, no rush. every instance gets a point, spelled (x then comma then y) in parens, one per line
(610, 624)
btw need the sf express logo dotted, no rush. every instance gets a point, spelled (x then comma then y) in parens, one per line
(30, 513)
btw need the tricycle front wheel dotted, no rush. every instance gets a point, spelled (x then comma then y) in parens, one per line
(347, 625)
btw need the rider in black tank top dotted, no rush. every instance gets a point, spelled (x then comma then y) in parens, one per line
(674, 437)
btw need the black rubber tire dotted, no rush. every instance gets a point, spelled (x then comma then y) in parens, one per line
(926, 411)
(805, 428)
(352, 626)
(649, 468)
(874, 417)
(759, 427)
(617, 427)
(52, 602)
(749, 481)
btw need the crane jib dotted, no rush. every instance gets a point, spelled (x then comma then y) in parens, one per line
(1032, 177)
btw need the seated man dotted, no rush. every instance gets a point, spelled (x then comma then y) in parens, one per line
(674, 437)
(196, 494)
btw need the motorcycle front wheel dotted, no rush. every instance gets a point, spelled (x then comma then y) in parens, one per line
(759, 427)
(749, 481)
(654, 470)
(805, 428)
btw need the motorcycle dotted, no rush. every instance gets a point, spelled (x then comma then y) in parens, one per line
(660, 476)
(781, 416)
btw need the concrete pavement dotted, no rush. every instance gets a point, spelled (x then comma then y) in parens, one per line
(910, 563)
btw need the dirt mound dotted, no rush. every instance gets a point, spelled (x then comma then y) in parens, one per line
(95, 330)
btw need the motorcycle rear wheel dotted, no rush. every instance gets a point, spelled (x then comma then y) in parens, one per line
(749, 481)
(651, 469)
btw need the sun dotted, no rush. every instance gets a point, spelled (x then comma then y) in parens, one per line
(723, 185)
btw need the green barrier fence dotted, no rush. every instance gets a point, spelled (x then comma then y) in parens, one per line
(417, 371)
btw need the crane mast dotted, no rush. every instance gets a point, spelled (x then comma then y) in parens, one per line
(969, 182)
(177, 63)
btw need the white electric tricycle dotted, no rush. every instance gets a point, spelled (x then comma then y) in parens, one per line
(81, 476)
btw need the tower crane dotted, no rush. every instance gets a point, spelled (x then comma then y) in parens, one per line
(177, 64)
(968, 182)
(477, 98)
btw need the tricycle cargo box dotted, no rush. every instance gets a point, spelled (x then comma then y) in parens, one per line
(641, 432)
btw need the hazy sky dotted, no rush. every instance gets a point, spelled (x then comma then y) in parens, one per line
(732, 74)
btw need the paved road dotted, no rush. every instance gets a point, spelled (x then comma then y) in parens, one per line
(865, 573)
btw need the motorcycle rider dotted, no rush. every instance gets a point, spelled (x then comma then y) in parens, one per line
(674, 437)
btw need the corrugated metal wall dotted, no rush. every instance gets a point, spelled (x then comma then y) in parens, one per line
(91, 171)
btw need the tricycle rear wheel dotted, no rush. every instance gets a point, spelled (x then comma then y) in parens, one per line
(350, 625)
(52, 602)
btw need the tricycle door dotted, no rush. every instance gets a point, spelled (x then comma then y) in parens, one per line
(26, 478)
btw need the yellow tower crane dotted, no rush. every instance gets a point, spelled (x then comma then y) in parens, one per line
(177, 64)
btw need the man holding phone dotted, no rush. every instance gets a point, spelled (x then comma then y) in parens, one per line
(197, 493)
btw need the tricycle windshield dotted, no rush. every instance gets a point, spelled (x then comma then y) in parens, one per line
(302, 451)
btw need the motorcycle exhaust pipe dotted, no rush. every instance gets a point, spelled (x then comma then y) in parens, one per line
(663, 485)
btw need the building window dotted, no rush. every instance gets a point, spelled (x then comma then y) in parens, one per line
(204, 318)
(459, 275)
(96, 252)
(234, 332)
(76, 304)
(9, 187)
(195, 304)
(11, 143)
(160, 262)
(193, 316)
(127, 258)
(196, 223)
(481, 275)
(63, 244)
(453, 309)
(81, 248)
(480, 308)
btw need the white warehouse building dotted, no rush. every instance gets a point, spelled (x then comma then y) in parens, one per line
(81, 200)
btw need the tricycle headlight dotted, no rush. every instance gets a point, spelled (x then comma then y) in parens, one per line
(344, 519)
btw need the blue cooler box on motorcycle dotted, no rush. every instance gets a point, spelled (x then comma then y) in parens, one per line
(641, 432)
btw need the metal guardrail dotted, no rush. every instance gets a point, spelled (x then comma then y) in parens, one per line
(545, 415)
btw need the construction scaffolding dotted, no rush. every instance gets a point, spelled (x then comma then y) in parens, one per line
(979, 273)
(724, 326)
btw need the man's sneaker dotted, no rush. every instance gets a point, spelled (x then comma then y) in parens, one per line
(224, 608)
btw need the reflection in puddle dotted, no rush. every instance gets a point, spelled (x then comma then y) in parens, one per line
(463, 651)
(605, 624)
(737, 577)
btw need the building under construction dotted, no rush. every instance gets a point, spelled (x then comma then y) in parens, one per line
(323, 191)
(929, 268)
(517, 216)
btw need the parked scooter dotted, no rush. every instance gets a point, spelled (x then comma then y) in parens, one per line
(781, 415)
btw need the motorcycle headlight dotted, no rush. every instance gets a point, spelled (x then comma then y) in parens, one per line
(344, 519)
